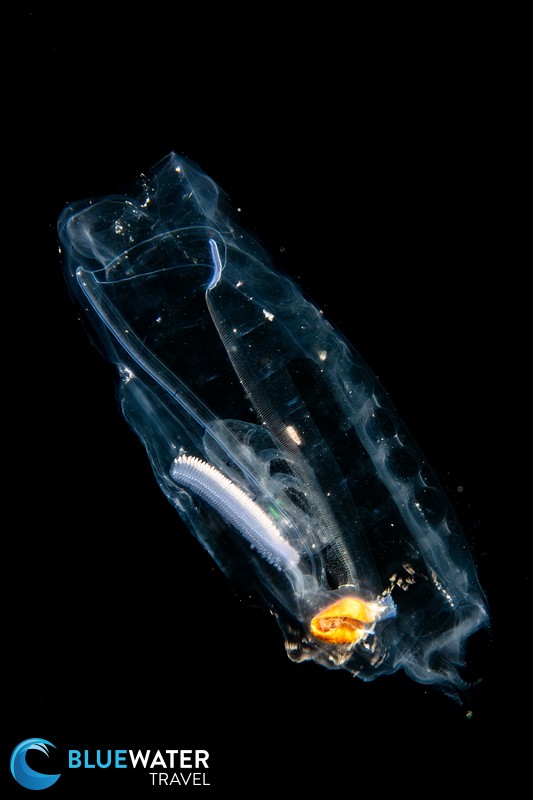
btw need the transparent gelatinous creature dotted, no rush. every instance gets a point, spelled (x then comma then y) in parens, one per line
(270, 435)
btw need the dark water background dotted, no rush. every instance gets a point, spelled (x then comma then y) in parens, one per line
(369, 165)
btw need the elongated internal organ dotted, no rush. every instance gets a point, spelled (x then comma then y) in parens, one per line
(270, 435)
(237, 508)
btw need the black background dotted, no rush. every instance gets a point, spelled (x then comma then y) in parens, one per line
(365, 157)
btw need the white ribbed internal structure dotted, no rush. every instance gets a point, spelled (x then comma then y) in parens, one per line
(236, 507)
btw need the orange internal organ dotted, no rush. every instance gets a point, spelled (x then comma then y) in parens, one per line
(345, 621)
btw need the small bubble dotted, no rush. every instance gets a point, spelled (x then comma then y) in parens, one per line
(459, 488)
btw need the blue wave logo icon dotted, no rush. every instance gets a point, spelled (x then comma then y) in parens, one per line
(24, 774)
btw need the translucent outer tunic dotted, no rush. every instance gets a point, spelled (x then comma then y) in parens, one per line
(270, 435)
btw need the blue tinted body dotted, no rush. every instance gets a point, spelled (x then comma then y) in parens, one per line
(268, 432)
